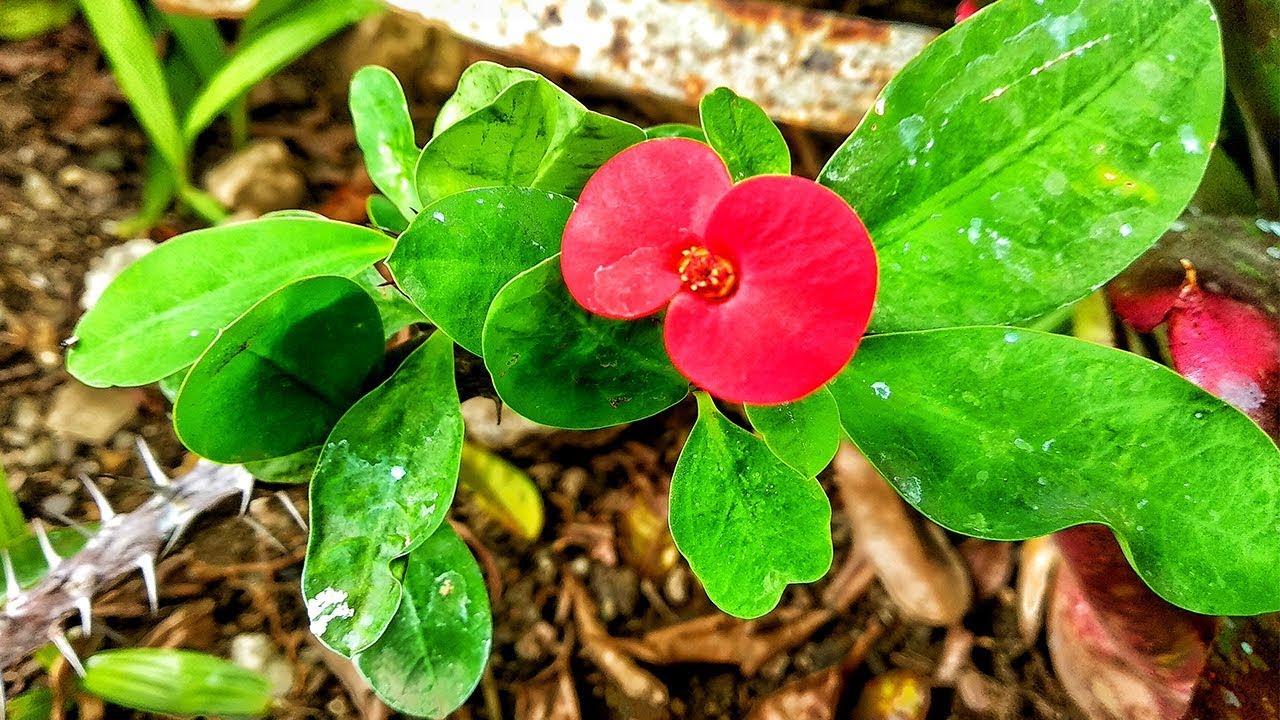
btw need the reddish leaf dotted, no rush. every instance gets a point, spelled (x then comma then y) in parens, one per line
(1121, 652)
(622, 244)
(806, 282)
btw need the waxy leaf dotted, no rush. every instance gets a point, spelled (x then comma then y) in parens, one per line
(804, 434)
(176, 682)
(295, 469)
(533, 135)
(459, 252)
(385, 480)
(384, 215)
(747, 523)
(1030, 154)
(278, 378)
(680, 130)
(559, 365)
(743, 135)
(384, 132)
(503, 491)
(433, 653)
(164, 310)
(479, 85)
(1010, 434)
(396, 310)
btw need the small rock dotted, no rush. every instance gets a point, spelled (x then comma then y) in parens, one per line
(38, 454)
(537, 643)
(104, 269)
(40, 192)
(579, 566)
(217, 9)
(259, 179)
(676, 586)
(25, 415)
(255, 651)
(90, 415)
(480, 415)
(617, 589)
(56, 505)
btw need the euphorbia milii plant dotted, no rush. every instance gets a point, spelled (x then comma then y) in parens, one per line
(594, 272)
(768, 284)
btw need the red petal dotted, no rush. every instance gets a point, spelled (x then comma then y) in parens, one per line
(966, 10)
(1140, 306)
(807, 278)
(623, 241)
(1230, 349)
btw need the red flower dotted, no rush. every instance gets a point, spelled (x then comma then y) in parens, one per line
(768, 284)
(966, 10)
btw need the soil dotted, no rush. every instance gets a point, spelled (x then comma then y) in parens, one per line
(70, 170)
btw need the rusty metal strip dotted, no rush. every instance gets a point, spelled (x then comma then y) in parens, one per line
(809, 68)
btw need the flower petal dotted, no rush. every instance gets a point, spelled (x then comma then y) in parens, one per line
(806, 284)
(623, 241)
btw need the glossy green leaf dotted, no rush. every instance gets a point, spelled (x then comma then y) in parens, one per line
(533, 135)
(748, 524)
(557, 364)
(804, 434)
(122, 33)
(384, 215)
(29, 566)
(503, 491)
(1030, 154)
(680, 130)
(743, 135)
(384, 132)
(459, 252)
(176, 682)
(1010, 434)
(161, 313)
(433, 653)
(278, 378)
(294, 469)
(480, 84)
(278, 43)
(385, 480)
(396, 310)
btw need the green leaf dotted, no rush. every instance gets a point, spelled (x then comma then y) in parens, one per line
(804, 434)
(278, 378)
(396, 310)
(286, 38)
(123, 35)
(533, 135)
(459, 252)
(384, 215)
(295, 469)
(384, 132)
(1010, 434)
(743, 135)
(479, 85)
(176, 682)
(680, 130)
(433, 653)
(25, 19)
(34, 704)
(748, 524)
(386, 477)
(503, 491)
(12, 523)
(559, 365)
(161, 313)
(29, 565)
(1030, 154)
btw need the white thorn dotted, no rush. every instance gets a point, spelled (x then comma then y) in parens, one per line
(264, 532)
(70, 523)
(147, 564)
(64, 646)
(105, 512)
(153, 468)
(292, 509)
(85, 605)
(244, 482)
(51, 557)
(11, 586)
(175, 537)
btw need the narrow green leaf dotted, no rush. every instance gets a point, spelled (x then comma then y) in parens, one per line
(503, 491)
(743, 135)
(680, 130)
(29, 566)
(479, 85)
(1010, 434)
(199, 40)
(176, 682)
(557, 364)
(385, 480)
(459, 252)
(278, 378)
(283, 40)
(161, 313)
(384, 132)
(384, 215)
(1030, 154)
(122, 34)
(748, 524)
(12, 523)
(804, 434)
(533, 135)
(34, 704)
(433, 653)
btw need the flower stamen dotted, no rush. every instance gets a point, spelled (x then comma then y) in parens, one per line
(706, 274)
